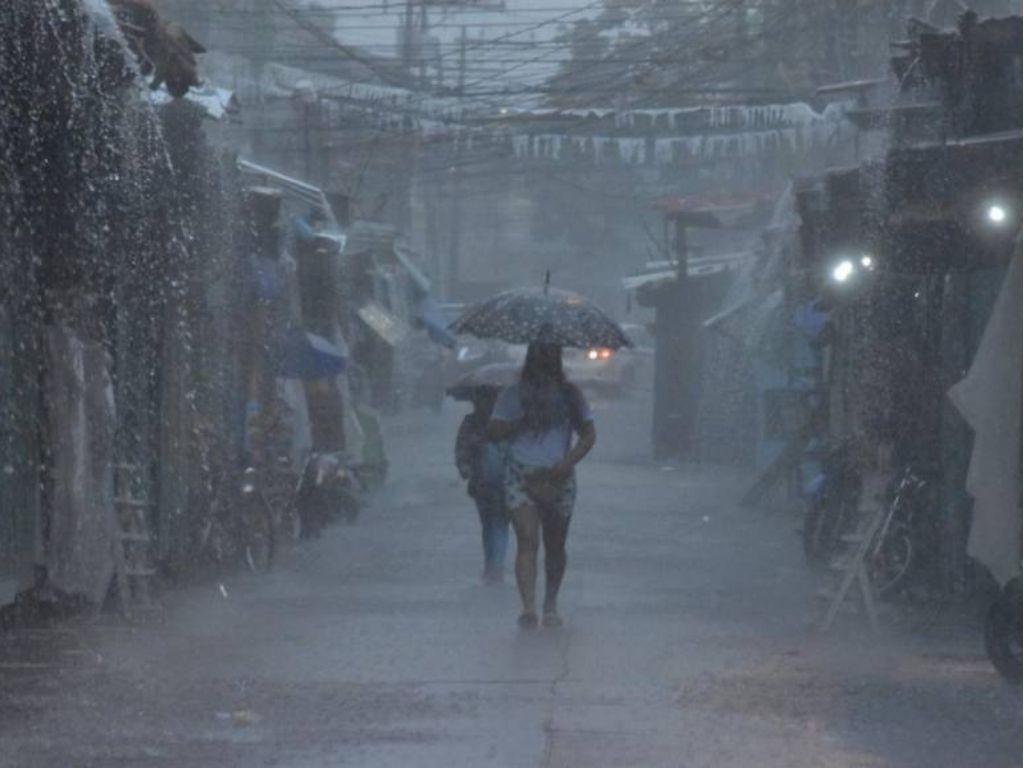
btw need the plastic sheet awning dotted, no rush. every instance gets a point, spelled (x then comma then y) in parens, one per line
(749, 320)
(404, 257)
(433, 320)
(989, 399)
(389, 327)
(216, 103)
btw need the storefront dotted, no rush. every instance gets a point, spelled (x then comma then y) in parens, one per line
(907, 256)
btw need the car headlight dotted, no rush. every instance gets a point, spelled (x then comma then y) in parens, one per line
(249, 480)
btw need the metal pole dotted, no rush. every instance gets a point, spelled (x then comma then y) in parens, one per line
(455, 232)
(263, 37)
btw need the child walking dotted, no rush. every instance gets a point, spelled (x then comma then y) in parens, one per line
(482, 464)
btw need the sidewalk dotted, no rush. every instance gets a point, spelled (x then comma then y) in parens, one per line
(686, 644)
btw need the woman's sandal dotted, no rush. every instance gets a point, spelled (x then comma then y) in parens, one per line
(528, 620)
(552, 619)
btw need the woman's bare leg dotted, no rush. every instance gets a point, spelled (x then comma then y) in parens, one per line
(556, 531)
(526, 522)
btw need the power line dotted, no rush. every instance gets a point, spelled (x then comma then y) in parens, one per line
(399, 9)
(516, 63)
(577, 89)
(329, 39)
(720, 3)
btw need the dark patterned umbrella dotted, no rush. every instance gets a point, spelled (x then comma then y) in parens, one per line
(544, 315)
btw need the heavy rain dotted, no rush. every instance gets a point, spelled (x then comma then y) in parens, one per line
(513, 383)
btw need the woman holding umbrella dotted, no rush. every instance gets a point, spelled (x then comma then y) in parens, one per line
(539, 416)
(546, 421)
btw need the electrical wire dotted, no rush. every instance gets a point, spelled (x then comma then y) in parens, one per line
(575, 90)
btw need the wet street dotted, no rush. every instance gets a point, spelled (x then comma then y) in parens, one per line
(686, 644)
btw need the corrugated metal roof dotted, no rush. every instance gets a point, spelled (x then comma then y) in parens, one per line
(307, 193)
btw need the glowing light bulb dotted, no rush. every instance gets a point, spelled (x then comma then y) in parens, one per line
(842, 271)
(996, 213)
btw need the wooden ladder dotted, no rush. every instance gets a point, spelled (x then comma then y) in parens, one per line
(851, 568)
(134, 572)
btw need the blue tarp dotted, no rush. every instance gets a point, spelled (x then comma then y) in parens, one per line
(308, 356)
(435, 323)
(269, 282)
(809, 319)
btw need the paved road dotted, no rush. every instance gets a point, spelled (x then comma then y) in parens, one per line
(686, 645)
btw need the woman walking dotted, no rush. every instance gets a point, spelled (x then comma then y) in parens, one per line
(539, 417)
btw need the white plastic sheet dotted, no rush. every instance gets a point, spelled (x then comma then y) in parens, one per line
(989, 397)
(83, 547)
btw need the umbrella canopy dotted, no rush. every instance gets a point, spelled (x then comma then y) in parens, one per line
(545, 315)
(493, 376)
(308, 356)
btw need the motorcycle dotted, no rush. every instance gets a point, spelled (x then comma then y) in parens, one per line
(1003, 632)
(329, 487)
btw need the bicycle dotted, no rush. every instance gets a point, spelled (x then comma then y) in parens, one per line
(893, 551)
(240, 520)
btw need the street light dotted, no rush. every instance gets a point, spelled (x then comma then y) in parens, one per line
(867, 262)
(996, 214)
(842, 271)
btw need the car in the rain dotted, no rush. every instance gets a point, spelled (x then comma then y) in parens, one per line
(602, 370)
(642, 336)
(608, 371)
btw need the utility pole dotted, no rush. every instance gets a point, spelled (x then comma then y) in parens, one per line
(307, 144)
(462, 63)
(455, 184)
(262, 40)
(421, 39)
(407, 46)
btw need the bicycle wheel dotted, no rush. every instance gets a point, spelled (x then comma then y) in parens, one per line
(291, 524)
(891, 563)
(350, 507)
(820, 532)
(1003, 635)
(259, 536)
(215, 544)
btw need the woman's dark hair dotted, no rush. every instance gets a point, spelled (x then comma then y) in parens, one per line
(547, 396)
(543, 364)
